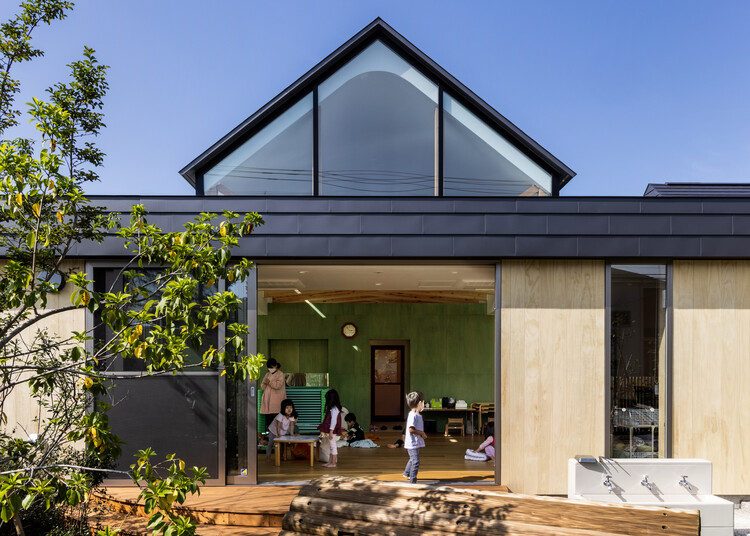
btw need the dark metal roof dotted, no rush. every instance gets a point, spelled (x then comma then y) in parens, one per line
(463, 229)
(377, 29)
(697, 189)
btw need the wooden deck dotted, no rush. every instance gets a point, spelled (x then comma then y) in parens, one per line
(442, 460)
(259, 510)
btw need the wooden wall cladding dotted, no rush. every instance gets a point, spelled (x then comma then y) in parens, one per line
(22, 415)
(552, 370)
(711, 369)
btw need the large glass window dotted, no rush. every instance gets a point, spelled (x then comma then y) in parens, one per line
(378, 125)
(237, 400)
(479, 161)
(638, 360)
(378, 133)
(275, 161)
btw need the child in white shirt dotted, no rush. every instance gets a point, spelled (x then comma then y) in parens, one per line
(414, 436)
(282, 425)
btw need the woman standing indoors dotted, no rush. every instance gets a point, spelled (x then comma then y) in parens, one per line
(274, 391)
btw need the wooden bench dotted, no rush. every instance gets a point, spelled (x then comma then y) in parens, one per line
(341, 506)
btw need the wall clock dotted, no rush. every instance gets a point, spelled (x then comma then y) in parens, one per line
(349, 330)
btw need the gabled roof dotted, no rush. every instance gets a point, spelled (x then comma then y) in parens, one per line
(697, 189)
(377, 29)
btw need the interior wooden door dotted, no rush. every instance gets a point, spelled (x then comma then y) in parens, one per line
(387, 382)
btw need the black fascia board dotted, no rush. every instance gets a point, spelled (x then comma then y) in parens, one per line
(377, 29)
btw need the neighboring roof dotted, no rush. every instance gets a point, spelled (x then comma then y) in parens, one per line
(377, 29)
(697, 189)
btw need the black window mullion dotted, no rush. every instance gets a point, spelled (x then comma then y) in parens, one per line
(316, 145)
(440, 144)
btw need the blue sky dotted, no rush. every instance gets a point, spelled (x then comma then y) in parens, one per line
(624, 93)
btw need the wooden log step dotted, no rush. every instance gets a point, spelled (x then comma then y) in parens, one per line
(323, 525)
(310, 508)
(531, 510)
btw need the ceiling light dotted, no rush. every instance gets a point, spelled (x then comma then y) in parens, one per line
(315, 308)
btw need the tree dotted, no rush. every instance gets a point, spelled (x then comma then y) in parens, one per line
(157, 317)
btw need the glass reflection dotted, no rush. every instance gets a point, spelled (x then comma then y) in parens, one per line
(275, 161)
(638, 356)
(378, 126)
(479, 161)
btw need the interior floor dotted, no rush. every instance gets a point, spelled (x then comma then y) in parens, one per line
(442, 459)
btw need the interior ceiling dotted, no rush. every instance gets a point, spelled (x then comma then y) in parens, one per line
(376, 283)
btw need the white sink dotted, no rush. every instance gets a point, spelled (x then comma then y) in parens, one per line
(628, 477)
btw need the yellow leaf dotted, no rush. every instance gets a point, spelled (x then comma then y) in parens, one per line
(85, 297)
(139, 350)
(223, 229)
(182, 465)
(60, 216)
(178, 239)
(36, 209)
(223, 372)
(230, 276)
(211, 282)
(19, 199)
(138, 330)
(249, 228)
(88, 383)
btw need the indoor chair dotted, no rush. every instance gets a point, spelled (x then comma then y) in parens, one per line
(454, 424)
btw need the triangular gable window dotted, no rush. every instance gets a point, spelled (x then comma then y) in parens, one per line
(381, 126)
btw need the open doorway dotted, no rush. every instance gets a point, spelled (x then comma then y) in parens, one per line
(374, 333)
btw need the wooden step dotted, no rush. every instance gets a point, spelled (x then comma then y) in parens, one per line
(133, 525)
(341, 506)
(251, 506)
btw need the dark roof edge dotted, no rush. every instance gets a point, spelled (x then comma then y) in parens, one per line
(698, 189)
(189, 172)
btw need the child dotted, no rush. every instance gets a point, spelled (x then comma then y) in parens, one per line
(353, 432)
(331, 425)
(488, 446)
(282, 425)
(414, 436)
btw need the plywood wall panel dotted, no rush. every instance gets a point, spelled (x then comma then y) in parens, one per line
(552, 372)
(712, 369)
(22, 413)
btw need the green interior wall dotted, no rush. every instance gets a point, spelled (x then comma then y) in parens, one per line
(450, 352)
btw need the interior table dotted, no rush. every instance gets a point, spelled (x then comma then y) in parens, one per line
(468, 413)
(282, 441)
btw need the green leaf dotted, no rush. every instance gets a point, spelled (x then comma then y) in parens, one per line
(6, 513)
(26, 503)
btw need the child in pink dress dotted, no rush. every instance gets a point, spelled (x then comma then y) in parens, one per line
(489, 441)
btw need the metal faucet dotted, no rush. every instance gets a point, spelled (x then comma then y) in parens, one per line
(685, 484)
(645, 482)
(608, 482)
